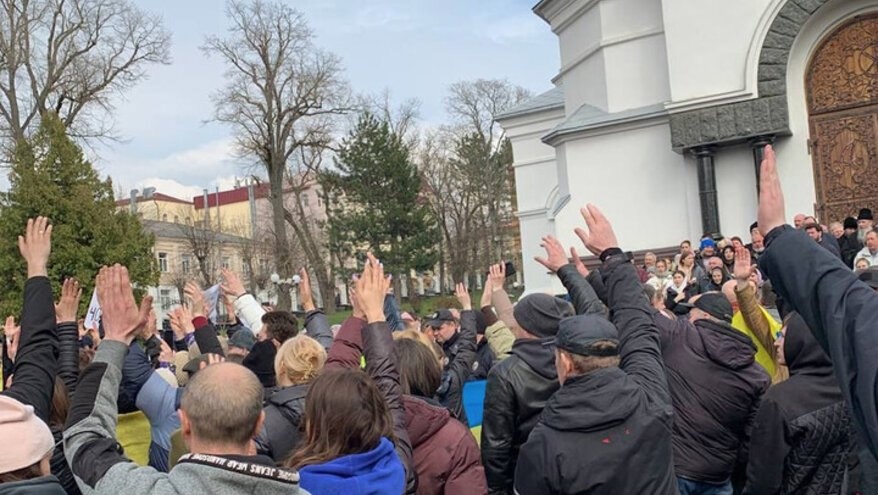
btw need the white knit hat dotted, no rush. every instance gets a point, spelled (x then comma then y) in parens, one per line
(26, 438)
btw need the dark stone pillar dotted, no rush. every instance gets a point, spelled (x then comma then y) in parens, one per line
(758, 144)
(707, 189)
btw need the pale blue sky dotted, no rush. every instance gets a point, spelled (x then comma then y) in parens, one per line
(415, 48)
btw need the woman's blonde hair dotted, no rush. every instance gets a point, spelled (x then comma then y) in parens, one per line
(298, 361)
(422, 338)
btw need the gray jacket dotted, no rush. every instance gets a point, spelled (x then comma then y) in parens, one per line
(100, 466)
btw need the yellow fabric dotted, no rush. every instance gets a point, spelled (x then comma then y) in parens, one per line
(763, 357)
(133, 435)
(477, 432)
(178, 448)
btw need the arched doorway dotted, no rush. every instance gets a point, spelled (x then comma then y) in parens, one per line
(842, 91)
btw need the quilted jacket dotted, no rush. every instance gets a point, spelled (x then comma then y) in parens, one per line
(803, 433)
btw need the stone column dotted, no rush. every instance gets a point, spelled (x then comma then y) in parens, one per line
(758, 144)
(704, 156)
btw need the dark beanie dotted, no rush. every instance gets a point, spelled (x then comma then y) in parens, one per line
(850, 223)
(540, 314)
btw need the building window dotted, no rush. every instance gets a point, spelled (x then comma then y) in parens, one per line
(263, 266)
(319, 202)
(305, 200)
(163, 262)
(165, 299)
(165, 217)
(227, 263)
(186, 263)
(176, 219)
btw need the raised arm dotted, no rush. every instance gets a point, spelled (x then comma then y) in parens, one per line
(499, 336)
(378, 349)
(499, 297)
(316, 324)
(247, 308)
(840, 310)
(36, 361)
(461, 367)
(585, 299)
(68, 333)
(639, 345)
(90, 435)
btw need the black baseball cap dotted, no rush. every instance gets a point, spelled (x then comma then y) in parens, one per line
(578, 334)
(713, 303)
(439, 317)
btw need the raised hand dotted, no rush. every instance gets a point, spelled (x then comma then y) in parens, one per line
(306, 296)
(771, 213)
(743, 265)
(371, 289)
(181, 322)
(486, 293)
(35, 246)
(12, 332)
(600, 235)
(577, 262)
(196, 297)
(212, 359)
(66, 307)
(497, 275)
(232, 284)
(463, 297)
(120, 315)
(555, 255)
(167, 354)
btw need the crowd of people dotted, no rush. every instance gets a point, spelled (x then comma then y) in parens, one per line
(729, 368)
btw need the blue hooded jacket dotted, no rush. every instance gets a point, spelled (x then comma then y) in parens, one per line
(377, 472)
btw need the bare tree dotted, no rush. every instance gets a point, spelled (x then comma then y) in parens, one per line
(280, 95)
(484, 155)
(204, 244)
(71, 57)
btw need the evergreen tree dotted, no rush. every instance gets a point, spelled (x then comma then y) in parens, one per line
(50, 176)
(381, 208)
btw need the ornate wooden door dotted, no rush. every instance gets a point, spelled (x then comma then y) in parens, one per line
(842, 87)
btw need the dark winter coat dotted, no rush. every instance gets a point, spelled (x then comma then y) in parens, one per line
(849, 245)
(839, 309)
(484, 361)
(460, 354)
(716, 385)
(803, 434)
(44, 485)
(68, 371)
(608, 431)
(284, 422)
(447, 457)
(516, 393)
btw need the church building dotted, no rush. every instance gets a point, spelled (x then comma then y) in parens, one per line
(661, 108)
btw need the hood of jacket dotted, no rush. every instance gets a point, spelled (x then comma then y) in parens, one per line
(592, 402)
(378, 471)
(802, 353)
(423, 420)
(44, 485)
(726, 346)
(536, 354)
(288, 397)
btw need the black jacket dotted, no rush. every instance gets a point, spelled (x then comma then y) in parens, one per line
(68, 372)
(516, 393)
(484, 361)
(716, 385)
(840, 310)
(44, 485)
(849, 245)
(583, 296)
(803, 433)
(460, 353)
(609, 431)
(282, 429)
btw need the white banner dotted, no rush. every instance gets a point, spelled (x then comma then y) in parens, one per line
(93, 317)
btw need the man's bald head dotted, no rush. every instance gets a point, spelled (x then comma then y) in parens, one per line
(223, 403)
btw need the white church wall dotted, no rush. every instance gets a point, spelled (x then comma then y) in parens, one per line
(709, 47)
(637, 73)
(638, 182)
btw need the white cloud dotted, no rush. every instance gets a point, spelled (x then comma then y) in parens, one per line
(169, 187)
